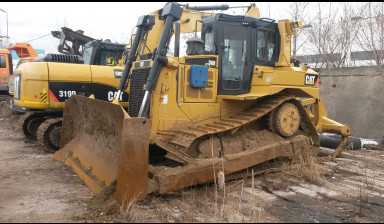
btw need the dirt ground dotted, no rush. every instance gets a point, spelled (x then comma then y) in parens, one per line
(35, 188)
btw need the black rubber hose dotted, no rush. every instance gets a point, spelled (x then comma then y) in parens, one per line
(332, 141)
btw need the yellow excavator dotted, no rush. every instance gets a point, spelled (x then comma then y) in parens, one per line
(42, 86)
(235, 100)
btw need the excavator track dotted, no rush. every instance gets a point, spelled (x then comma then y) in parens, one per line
(177, 142)
(48, 134)
(26, 121)
(31, 121)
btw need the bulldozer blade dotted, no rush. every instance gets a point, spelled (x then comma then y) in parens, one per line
(132, 173)
(103, 145)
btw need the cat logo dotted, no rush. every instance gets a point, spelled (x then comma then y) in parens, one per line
(117, 73)
(311, 80)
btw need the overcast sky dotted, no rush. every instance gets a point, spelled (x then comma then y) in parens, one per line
(100, 20)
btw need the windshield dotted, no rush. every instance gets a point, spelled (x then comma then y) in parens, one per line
(209, 41)
(109, 57)
(95, 55)
(87, 55)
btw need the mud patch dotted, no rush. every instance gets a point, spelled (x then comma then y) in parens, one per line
(5, 110)
(103, 207)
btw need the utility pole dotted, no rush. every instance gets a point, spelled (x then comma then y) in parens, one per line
(7, 24)
(295, 36)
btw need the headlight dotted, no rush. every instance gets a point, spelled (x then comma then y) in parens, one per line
(16, 88)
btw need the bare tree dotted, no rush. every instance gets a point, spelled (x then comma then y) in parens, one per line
(297, 11)
(370, 37)
(331, 34)
(347, 33)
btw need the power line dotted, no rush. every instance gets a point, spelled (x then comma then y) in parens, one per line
(37, 38)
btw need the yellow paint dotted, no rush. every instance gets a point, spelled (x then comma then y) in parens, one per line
(187, 25)
(34, 81)
(253, 11)
(174, 102)
(195, 95)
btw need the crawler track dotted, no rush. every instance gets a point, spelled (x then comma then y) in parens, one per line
(48, 134)
(31, 123)
(177, 141)
(25, 120)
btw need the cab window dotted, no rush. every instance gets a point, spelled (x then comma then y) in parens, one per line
(266, 45)
(3, 63)
(209, 47)
(110, 57)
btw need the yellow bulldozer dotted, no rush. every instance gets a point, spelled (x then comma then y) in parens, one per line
(235, 100)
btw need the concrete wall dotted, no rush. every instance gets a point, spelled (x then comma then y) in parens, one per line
(355, 96)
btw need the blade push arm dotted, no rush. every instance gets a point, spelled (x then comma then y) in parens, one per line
(144, 24)
(172, 12)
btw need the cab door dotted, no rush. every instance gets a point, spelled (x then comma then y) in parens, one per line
(6, 69)
(236, 64)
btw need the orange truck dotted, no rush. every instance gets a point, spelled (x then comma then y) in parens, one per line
(6, 68)
(26, 53)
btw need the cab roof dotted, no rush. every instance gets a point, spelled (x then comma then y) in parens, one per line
(4, 51)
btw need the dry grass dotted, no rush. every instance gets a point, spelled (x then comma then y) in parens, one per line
(305, 165)
(202, 203)
(126, 213)
(219, 201)
(365, 185)
(222, 200)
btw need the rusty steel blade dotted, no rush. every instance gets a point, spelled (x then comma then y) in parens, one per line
(132, 173)
(91, 140)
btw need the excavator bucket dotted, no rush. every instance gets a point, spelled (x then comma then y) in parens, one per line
(103, 145)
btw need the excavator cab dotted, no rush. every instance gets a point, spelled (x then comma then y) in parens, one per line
(98, 52)
(233, 102)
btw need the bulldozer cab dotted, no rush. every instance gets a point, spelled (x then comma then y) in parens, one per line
(98, 52)
(241, 42)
